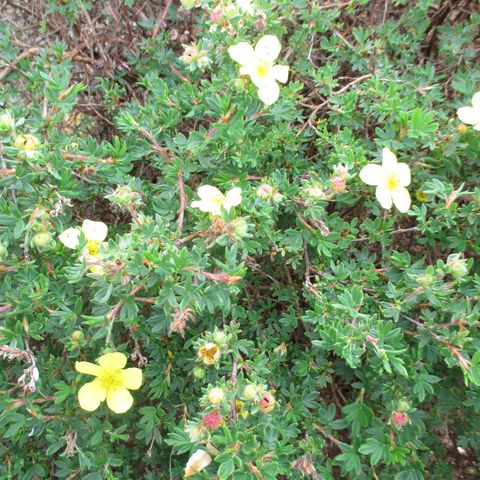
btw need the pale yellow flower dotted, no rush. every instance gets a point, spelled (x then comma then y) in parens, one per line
(95, 233)
(209, 353)
(198, 461)
(28, 144)
(113, 383)
(390, 178)
(471, 115)
(212, 200)
(259, 65)
(216, 395)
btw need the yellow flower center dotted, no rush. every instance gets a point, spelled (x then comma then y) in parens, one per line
(393, 181)
(93, 247)
(209, 352)
(218, 199)
(263, 69)
(110, 380)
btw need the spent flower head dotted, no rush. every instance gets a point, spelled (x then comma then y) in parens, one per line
(259, 64)
(390, 178)
(112, 383)
(197, 462)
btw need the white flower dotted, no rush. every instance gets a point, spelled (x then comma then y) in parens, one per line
(95, 233)
(246, 6)
(258, 64)
(198, 461)
(471, 115)
(212, 199)
(390, 178)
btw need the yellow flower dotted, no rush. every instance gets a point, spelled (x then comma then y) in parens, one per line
(390, 178)
(212, 199)
(198, 461)
(209, 353)
(471, 115)
(112, 383)
(258, 64)
(27, 144)
(95, 233)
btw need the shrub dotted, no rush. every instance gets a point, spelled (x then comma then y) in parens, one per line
(218, 267)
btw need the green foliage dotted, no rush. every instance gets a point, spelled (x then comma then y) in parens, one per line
(359, 326)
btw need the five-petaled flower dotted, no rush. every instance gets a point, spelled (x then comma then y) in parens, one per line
(95, 233)
(212, 200)
(112, 383)
(390, 178)
(258, 64)
(471, 115)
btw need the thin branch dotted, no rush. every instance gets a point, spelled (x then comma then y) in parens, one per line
(183, 200)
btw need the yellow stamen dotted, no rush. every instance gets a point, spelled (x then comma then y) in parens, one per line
(93, 248)
(393, 181)
(263, 69)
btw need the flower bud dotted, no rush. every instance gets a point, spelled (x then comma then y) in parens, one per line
(77, 336)
(457, 266)
(199, 373)
(267, 403)
(251, 392)
(426, 280)
(216, 396)
(123, 196)
(240, 84)
(7, 122)
(237, 229)
(264, 191)
(220, 338)
(42, 241)
(403, 406)
(315, 192)
(462, 129)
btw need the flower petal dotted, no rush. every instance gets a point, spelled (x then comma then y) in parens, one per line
(401, 199)
(384, 196)
(268, 48)
(269, 93)
(476, 101)
(389, 160)
(280, 73)
(242, 53)
(70, 238)
(119, 400)
(91, 395)
(94, 231)
(88, 368)
(403, 172)
(207, 192)
(131, 378)
(372, 174)
(233, 198)
(112, 361)
(469, 115)
(198, 461)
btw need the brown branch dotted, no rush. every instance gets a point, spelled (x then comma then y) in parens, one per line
(13, 64)
(7, 171)
(116, 309)
(178, 73)
(183, 200)
(156, 146)
(328, 100)
(161, 22)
